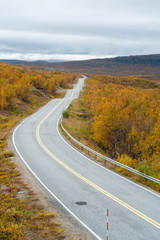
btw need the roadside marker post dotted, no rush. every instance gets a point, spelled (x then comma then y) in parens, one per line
(107, 222)
(6, 139)
(6, 144)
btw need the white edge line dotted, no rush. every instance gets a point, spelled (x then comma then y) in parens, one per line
(13, 140)
(101, 165)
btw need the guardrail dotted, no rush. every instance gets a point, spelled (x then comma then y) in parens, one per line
(109, 159)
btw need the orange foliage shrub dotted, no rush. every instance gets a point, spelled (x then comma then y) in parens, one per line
(125, 119)
(16, 82)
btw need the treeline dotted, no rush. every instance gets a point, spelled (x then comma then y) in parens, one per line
(19, 82)
(125, 120)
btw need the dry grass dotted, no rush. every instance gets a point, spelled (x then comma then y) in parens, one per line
(21, 217)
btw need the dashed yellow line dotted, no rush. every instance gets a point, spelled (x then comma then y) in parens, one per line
(135, 211)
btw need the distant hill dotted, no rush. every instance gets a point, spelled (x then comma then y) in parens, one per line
(19, 61)
(120, 66)
(28, 62)
(9, 60)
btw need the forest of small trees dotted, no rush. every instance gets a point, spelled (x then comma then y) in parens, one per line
(125, 120)
(19, 82)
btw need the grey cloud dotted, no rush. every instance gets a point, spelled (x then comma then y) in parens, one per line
(93, 27)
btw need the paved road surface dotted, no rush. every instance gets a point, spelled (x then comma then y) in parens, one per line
(134, 212)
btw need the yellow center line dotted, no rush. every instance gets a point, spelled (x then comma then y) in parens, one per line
(72, 94)
(146, 218)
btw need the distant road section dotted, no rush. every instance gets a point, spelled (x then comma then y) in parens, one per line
(83, 187)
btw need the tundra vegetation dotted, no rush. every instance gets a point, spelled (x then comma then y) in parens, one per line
(22, 91)
(119, 116)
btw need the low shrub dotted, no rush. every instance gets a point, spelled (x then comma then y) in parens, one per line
(65, 114)
(8, 154)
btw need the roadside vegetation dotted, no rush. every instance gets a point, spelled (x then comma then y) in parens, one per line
(119, 117)
(23, 91)
(65, 114)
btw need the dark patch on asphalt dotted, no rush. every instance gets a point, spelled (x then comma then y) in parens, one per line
(81, 203)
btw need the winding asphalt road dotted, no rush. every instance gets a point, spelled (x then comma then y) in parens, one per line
(134, 212)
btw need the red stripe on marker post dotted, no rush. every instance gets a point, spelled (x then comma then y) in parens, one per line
(6, 139)
(107, 222)
(6, 144)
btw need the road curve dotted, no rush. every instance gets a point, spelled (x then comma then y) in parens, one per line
(134, 212)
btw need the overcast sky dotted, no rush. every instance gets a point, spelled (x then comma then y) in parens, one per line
(78, 29)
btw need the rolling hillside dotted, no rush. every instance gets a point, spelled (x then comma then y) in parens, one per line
(148, 65)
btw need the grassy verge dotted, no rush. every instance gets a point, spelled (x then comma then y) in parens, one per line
(20, 215)
(78, 123)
